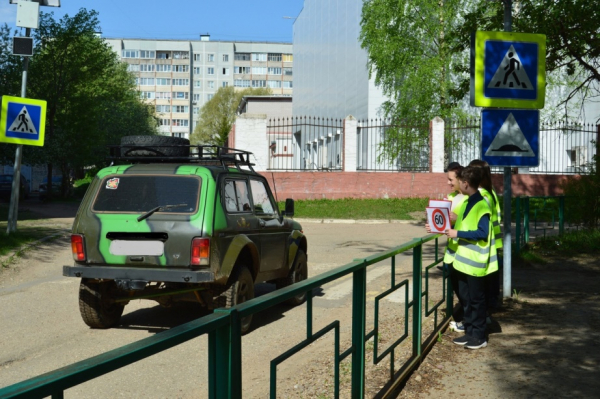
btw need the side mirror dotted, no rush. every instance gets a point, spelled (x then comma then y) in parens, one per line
(289, 207)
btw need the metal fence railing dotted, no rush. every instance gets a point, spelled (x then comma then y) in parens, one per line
(385, 145)
(565, 148)
(423, 305)
(305, 144)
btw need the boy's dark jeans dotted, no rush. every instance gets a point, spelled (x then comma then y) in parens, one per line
(471, 290)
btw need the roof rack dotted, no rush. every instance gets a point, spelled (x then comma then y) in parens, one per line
(200, 154)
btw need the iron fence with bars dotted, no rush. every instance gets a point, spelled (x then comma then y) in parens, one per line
(305, 143)
(386, 145)
(564, 148)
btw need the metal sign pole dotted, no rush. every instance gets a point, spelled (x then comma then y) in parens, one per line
(507, 283)
(13, 210)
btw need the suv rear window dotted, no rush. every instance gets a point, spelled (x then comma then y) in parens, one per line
(141, 193)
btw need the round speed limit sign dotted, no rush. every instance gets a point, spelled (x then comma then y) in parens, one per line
(439, 220)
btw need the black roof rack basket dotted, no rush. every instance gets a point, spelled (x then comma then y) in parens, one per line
(199, 154)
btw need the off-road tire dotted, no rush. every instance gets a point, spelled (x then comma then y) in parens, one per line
(96, 306)
(240, 291)
(155, 146)
(299, 272)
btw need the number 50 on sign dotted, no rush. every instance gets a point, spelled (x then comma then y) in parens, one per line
(438, 219)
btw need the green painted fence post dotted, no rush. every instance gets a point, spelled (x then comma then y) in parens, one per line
(518, 225)
(526, 220)
(225, 359)
(416, 300)
(359, 297)
(561, 215)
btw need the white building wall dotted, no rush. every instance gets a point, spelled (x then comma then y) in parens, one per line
(251, 135)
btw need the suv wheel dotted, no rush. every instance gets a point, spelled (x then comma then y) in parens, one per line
(299, 272)
(154, 146)
(96, 306)
(240, 291)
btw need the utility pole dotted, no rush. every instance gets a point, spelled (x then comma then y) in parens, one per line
(507, 274)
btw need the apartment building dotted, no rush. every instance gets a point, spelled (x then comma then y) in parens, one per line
(178, 77)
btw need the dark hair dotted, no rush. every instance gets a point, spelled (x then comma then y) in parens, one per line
(471, 175)
(454, 167)
(486, 177)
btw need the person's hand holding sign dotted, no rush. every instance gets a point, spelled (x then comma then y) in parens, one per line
(451, 233)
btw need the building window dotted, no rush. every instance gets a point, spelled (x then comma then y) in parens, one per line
(259, 56)
(196, 110)
(181, 108)
(225, 84)
(288, 57)
(181, 95)
(180, 122)
(181, 68)
(210, 71)
(197, 70)
(274, 56)
(241, 57)
(130, 54)
(197, 57)
(181, 55)
(197, 83)
(163, 108)
(147, 54)
(164, 122)
(163, 55)
(181, 82)
(211, 84)
(225, 57)
(163, 82)
(259, 83)
(196, 97)
(133, 67)
(287, 71)
(163, 68)
(287, 84)
(163, 95)
(147, 95)
(241, 83)
(274, 84)
(226, 71)
(259, 70)
(146, 81)
(209, 97)
(147, 67)
(274, 71)
(241, 70)
(210, 57)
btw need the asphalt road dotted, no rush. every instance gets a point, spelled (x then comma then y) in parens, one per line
(41, 329)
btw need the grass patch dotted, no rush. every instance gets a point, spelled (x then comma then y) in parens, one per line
(571, 243)
(532, 257)
(24, 235)
(351, 208)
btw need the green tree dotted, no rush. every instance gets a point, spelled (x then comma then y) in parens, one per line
(91, 97)
(217, 116)
(572, 41)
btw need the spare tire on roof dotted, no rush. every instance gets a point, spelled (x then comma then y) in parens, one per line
(154, 146)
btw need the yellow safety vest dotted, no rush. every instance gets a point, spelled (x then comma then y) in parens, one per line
(475, 258)
(495, 217)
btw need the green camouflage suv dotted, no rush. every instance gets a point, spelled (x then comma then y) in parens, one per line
(172, 222)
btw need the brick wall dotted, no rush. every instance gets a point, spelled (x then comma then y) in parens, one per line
(335, 185)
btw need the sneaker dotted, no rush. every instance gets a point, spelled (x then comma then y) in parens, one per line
(457, 326)
(462, 340)
(476, 343)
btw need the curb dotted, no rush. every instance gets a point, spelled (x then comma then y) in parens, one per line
(7, 259)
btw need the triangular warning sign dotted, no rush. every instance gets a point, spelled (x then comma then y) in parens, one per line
(23, 123)
(511, 74)
(510, 141)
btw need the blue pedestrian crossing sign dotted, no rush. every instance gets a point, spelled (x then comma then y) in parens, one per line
(508, 70)
(510, 137)
(23, 121)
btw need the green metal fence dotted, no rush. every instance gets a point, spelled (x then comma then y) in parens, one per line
(544, 213)
(225, 340)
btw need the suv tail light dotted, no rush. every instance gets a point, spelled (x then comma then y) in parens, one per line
(78, 247)
(200, 251)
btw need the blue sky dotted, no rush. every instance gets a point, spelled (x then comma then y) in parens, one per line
(244, 20)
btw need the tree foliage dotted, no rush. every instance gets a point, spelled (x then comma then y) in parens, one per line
(91, 97)
(217, 116)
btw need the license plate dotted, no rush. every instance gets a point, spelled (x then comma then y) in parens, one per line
(137, 248)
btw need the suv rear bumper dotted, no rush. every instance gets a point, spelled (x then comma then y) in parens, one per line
(147, 274)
